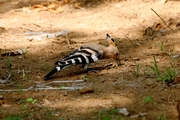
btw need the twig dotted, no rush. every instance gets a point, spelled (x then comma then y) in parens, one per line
(59, 88)
(40, 86)
(68, 41)
(161, 19)
(17, 90)
(169, 97)
(2, 75)
(65, 81)
(23, 27)
(36, 25)
(4, 81)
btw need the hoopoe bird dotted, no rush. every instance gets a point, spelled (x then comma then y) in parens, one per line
(87, 54)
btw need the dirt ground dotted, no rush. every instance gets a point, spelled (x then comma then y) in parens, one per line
(139, 33)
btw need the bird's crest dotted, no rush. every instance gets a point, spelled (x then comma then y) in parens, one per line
(110, 40)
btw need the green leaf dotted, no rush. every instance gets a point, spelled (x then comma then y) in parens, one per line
(84, 77)
(34, 101)
(29, 100)
(148, 99)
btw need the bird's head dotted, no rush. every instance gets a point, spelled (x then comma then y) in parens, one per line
(114, 51)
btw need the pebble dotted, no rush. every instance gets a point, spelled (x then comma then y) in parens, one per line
(1, 97)
(124, 111)
(86, 90)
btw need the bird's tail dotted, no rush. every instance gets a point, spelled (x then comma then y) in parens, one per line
(56, 69)
(50, 73)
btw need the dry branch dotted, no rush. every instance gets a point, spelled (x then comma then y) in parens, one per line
(41, 86)
(4, 81)
(162, 19)
(65, 81)
(17, 90)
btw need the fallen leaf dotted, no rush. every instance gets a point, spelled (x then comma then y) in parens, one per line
(39, 8)
(47, 102)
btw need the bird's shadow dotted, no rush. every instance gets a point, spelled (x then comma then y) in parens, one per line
(74, 71)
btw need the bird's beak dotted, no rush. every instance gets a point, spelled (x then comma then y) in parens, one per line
(118, 61)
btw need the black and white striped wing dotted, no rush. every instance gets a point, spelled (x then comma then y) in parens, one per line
(83, 55)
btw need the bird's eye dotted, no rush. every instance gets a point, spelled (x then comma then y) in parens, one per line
(117, 54)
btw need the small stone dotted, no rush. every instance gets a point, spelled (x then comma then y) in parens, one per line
(65, 93)
(136, 58)
(139, 115)
(86, 90)
(56, 115)
(39, 77)
(176, 56)
(1, 97)
(134, 116)
(124, 111)
(178, 24)
(142, 114)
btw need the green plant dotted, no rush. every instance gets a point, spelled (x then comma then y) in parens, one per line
(137, 70)
(148, 99)
(20, 89)
(43, 67)
(8, 62)
(109, 115)
(154, 69)
(161, 46)
(14, 118)
(49, 114)
(25, 109)
(64, 85)
(162, 117)
(23, 52)
(24, 105)
(84, 77)
(31, 100)
(168, 75)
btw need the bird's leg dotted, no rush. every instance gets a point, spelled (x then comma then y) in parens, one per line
(88, 70)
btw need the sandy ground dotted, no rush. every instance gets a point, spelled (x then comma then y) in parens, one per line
(138, 32)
